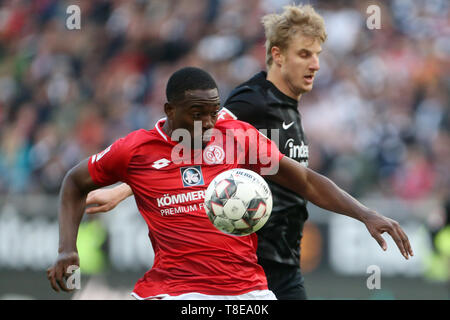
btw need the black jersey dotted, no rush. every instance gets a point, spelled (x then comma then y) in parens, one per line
(261, 104)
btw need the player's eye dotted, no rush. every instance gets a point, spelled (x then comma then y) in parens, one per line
(196, 115)
(304, 54)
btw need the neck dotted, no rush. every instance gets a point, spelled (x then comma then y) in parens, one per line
(166, 128)
(274, 76)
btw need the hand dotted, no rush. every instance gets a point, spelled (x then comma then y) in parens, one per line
(104, 200)
(378, 224)
(57, 274)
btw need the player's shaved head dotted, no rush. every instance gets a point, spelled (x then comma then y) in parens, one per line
(188, 79)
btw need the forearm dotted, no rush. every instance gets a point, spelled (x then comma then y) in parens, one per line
(318, 190)
(72, 201)
(122, 192)
(71, 208)
(326, 194)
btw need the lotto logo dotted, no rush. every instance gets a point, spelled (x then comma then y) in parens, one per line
(161, 163)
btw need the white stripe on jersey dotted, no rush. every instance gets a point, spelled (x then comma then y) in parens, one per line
(224, 113)
(159, 130)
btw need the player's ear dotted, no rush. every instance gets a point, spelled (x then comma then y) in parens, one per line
(169, 110)
(277, 55)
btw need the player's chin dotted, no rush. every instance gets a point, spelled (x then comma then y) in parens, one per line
(307, 86)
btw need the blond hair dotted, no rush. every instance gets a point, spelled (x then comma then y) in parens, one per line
(279, 28)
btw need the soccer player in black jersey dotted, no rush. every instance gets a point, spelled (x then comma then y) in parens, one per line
(269, 100)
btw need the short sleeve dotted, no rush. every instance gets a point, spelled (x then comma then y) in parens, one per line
(110, 165)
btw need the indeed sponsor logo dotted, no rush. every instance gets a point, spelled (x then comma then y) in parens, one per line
(296, 151)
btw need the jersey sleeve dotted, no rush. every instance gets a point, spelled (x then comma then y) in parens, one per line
(110, 165)
(225, 114)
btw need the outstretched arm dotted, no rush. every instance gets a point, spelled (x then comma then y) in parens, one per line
(326, 194)
(76, 185)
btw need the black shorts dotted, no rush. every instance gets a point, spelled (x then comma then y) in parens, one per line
(285, 281)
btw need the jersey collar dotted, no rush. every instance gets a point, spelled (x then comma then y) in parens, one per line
(158, 126)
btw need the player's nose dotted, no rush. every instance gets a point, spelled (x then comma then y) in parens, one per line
(208, 123)
(315, 65)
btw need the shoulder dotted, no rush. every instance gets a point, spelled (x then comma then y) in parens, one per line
(251, 92)
(246, 94)
(225, 114)
(233, 124)
(136, 138)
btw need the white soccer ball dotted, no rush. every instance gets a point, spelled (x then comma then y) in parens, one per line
(238, 202)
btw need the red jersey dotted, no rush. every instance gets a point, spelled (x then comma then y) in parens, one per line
(191, 255)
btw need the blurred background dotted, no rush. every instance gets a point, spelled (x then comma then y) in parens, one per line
(377, 121)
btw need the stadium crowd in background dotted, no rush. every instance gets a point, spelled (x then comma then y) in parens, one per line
(377, 119)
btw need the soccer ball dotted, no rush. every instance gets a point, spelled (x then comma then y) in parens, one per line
(238, 202)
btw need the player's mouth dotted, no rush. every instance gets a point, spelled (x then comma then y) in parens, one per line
(309, 78)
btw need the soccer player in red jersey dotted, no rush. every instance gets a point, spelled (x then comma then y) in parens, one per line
(192, 258)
